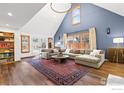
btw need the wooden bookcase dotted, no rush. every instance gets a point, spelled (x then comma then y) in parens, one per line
(6, 47)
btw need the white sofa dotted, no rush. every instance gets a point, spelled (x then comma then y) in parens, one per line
(90, 60)
(47, 53)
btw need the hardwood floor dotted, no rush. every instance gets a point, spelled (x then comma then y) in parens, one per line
(22, 73)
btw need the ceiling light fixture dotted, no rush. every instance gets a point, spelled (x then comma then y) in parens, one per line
(7, 24)
(10, 14)
(59, 11)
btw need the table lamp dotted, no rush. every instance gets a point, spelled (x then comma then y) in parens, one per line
(118, 41)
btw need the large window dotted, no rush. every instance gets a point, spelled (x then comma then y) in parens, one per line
(76, 15)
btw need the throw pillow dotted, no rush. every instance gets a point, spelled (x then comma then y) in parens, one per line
(88, 51)
(76, 51)
(62, 50)
(67, 50)
(55, 50)
(92, 54)
(82, 51)
(97, 52)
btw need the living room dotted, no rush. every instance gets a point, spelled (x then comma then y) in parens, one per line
(62, 44)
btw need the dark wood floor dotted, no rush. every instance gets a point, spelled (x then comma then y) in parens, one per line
(22, 73)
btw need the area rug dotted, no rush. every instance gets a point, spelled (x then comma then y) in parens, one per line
(66, 73)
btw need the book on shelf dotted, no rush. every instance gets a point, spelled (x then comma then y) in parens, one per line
(6, 47)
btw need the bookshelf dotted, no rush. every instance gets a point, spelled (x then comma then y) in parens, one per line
(6, 47)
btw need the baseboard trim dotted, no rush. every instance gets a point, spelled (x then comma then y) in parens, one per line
(27, 57)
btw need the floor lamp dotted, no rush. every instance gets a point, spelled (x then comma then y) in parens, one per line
(118, 41)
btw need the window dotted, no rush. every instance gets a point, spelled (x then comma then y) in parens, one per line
(76, 16)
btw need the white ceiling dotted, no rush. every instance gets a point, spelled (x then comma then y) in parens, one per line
(117, 8)
(22, 13)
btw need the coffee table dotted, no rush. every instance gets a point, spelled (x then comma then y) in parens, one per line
(59, 58)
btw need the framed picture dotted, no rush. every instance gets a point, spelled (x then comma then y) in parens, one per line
(36, 43)
(25, 44)
(76, 16)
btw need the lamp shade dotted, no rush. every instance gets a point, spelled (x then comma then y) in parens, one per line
(118, 40)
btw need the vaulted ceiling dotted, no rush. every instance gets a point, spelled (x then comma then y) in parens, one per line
(117, 8)
(22, 13)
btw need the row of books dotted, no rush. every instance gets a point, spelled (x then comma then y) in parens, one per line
(6, 39)
(6, 55)
(6, 50)
(6, 45)
(6, 34)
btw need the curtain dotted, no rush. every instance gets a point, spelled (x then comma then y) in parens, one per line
(92, 38)
(65, 40)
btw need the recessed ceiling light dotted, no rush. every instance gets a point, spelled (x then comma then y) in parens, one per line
(9, 14)
(7, 24)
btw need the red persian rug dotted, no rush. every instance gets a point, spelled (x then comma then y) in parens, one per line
(66, 73)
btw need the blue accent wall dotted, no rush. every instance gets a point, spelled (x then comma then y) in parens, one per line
(94, 16)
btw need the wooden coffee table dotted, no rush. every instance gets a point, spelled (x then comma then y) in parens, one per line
(61, 58)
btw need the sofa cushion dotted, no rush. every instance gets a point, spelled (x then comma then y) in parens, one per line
(47, 50)
(87, 51)
(99, 56)
(75, 51)
(55, 53)
(71, 51)
(62, 50)
(102, 52)
(88, 58)
(72, 54)
(43, 50)
(55, 50)
(82, 51)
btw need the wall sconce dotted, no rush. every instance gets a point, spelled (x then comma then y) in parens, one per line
(108, 30)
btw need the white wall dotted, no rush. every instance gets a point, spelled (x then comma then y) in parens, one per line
(32, 52)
